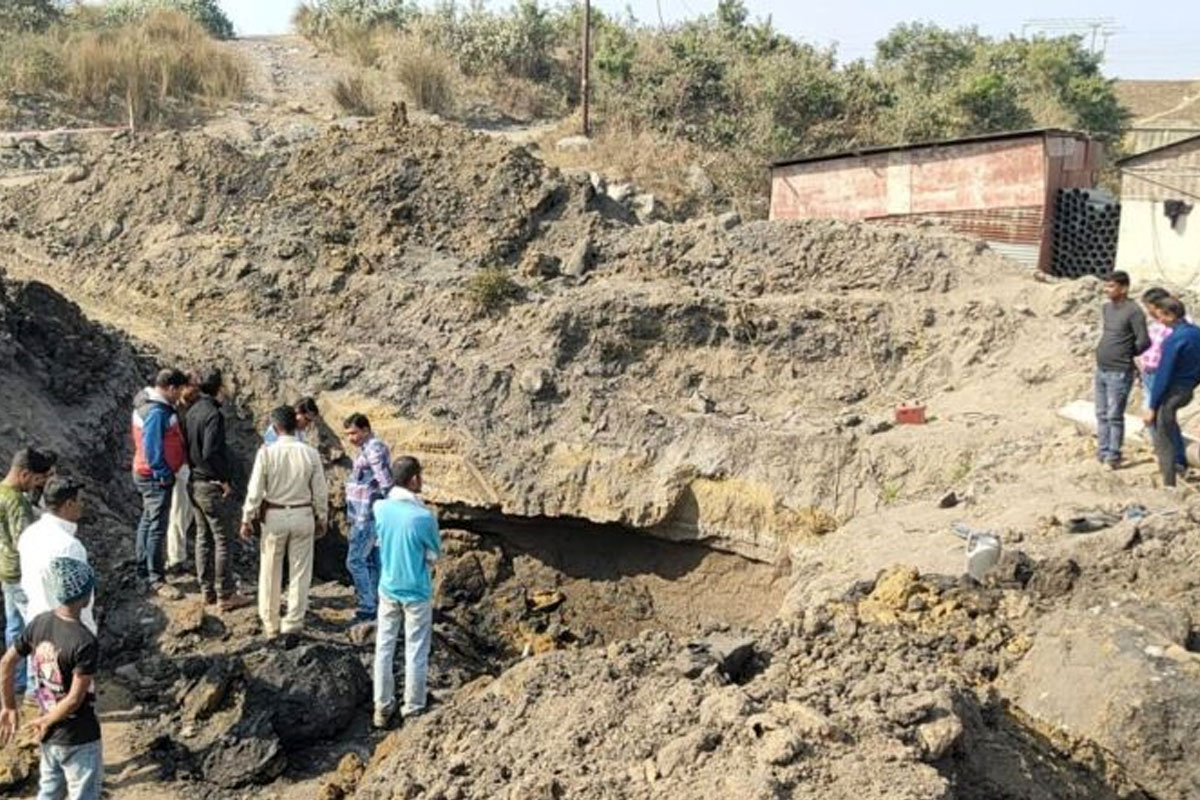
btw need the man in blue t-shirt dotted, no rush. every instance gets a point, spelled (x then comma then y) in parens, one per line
(1174, 382)
(409, 543)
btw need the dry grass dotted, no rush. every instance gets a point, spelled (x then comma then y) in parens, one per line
(427, 74)
(648, 160)
(354, 96)
(144, 72)
(31, 63)
(362, 44)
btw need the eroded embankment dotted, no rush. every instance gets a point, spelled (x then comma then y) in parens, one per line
(712, 381)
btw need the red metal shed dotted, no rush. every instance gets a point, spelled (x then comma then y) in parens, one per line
(999, 187)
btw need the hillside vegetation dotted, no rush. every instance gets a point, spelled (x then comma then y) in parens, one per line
(144, 62)
(722, 91)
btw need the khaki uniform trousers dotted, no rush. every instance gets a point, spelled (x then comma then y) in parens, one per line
(286, 533)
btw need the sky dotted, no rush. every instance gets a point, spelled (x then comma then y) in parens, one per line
(1159, 40)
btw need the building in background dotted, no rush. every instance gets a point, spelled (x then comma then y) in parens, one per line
(1161, 112)
(1000, 187)
(1160, 221)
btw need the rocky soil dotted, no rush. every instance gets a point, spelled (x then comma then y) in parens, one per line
(1063, 677)
(688, 548)
(657, 376)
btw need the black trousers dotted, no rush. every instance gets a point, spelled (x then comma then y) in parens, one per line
(214, 538)
(1166, 432)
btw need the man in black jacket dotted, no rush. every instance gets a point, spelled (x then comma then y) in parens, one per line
(212, 471)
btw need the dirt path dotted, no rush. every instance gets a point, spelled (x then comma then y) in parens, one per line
(130, 770)
(288, 72)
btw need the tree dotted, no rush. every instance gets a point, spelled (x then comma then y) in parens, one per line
(926, 56)
(732, 15)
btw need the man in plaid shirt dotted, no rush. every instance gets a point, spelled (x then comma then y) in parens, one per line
(370, 480)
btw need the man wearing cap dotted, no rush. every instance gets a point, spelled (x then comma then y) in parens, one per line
(53, 536)
(30, 470)
(287, 492)
(65, 657)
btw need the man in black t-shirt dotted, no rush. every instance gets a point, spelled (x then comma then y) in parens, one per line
(65, 656)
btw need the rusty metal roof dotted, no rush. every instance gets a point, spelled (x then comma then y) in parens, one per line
(985, 137)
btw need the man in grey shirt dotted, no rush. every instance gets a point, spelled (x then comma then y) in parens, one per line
(1123, 336)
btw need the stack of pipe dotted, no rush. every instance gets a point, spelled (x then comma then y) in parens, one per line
(1086, 223)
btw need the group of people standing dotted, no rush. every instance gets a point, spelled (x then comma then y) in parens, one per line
(185, 473)
(1162, 354)
(392, 537)
(52, 652)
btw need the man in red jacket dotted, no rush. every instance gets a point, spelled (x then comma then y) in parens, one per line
(159, 452)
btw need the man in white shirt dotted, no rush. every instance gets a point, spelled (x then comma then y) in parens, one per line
(53, 536)
(308, 420)
(183, 515)
(288, 493)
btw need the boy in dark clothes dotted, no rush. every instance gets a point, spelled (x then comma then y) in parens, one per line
(65, 659)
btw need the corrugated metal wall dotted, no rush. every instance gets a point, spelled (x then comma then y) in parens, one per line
(999, 191)
(1012, 232)
(1173, 175)
(1139, 140)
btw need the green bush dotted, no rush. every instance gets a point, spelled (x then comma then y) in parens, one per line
(205, 12)
(491, 289)
(23, 16)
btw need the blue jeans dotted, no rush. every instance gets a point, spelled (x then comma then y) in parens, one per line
(1112, 395)
(418, 634)
(152, 528)
(76, 770)
(362, 562)
(14, 623)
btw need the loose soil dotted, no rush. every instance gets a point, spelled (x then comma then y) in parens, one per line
(687, 547)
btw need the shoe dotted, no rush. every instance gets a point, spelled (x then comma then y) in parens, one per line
(382, 718)
(166, 591)
(233, 602)
(179, 570)
(210, 597)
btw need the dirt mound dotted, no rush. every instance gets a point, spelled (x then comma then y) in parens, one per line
(886, 692)
(64, 381)
(661, 377)
(717, 382)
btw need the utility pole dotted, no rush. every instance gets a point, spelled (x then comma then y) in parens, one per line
(587, 60)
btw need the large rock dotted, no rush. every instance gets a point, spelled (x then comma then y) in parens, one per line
(311, 691)
(255, 709)
(249, 753)
(1126, 686)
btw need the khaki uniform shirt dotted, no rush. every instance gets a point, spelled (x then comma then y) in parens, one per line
(288, 473)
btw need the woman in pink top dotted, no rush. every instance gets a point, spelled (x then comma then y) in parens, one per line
(1147, 362)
